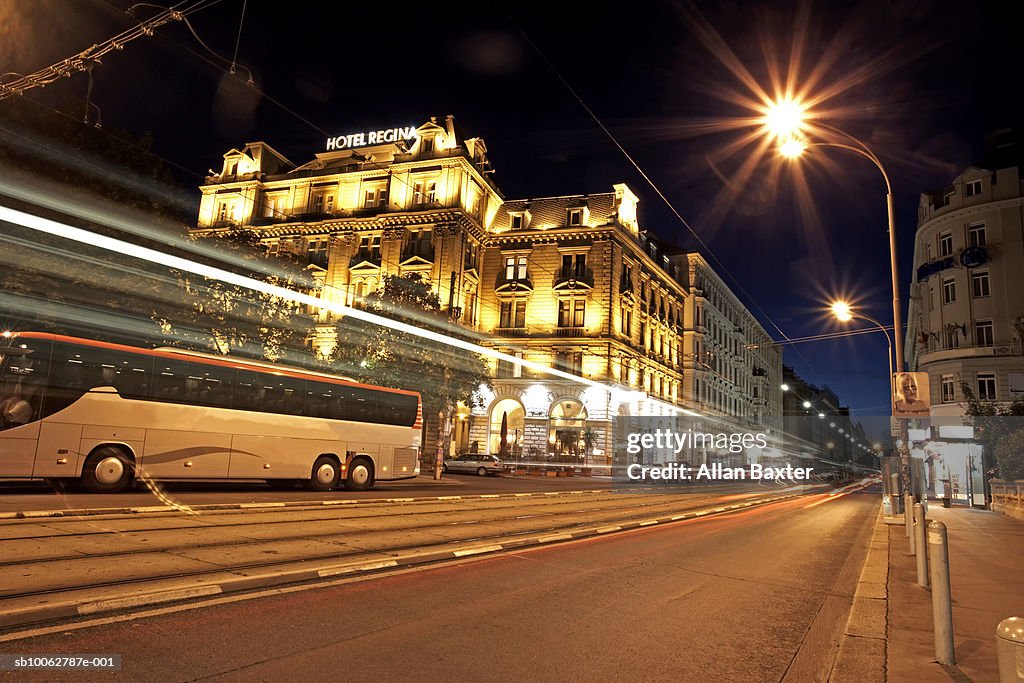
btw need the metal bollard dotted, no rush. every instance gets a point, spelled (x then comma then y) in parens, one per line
(942, 606)
(1010, 650)
(908, 516)
(922, 545)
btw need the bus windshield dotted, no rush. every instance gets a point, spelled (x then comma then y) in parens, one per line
(20, 387)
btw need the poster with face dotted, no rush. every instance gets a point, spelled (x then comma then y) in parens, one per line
(911, 397)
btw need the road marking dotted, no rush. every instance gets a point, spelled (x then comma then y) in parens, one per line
(649, 522)
(608, 529)
(477, 550)
(554, 537)
(490, 495)
(261, 505)
(364, 567)
(147, 599)
(449, 497)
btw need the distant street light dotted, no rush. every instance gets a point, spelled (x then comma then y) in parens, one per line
(844, 313)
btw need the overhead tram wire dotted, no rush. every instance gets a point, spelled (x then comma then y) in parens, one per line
(651, 182)
(88, 58)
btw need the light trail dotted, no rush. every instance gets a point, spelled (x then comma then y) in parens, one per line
(79, 235)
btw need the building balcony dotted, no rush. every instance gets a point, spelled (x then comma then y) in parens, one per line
(511, 332)
(963, 352)
(570, 332)
(417, 254)
(572, 279)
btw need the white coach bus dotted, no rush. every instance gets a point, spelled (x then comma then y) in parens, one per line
(96, 412)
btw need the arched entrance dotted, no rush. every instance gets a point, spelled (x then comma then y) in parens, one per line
(567, 431)
(510, 412)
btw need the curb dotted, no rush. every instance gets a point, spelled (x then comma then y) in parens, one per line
(38, 615)
(862, 647)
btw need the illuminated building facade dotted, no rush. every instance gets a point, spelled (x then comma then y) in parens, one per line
(572, 282)
(966, 319)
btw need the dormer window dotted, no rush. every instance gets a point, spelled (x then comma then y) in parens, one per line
(575, 217)
(972, 188)
(519, 220)
(233, 168)
(427, 145)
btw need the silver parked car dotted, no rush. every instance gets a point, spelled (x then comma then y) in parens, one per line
(480, 463)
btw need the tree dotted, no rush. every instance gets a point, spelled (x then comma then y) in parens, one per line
(997, 430)
(377, 354)
(226, 318)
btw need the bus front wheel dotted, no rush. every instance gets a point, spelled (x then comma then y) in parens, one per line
(325, 474)
(360, 475)
(108, 470)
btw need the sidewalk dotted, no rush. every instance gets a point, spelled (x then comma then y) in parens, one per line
(986, 566)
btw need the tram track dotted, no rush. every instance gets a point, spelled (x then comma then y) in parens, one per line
(536, 512)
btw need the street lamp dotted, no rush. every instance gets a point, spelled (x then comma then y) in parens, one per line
(785, 119)
(844, 313)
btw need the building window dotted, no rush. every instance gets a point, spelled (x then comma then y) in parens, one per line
(273, 248)
(424, 192)
(948, 389)
(972, 188)
(976, 236)
(318, 203)
(569, 361)
(316, 252)
(574, 266)
(571, 312)
(375, 198)
(575, 217)
(273, 206)
(952, 339)
(626, 281)
(980, 284)
(513, 314)
(420, 244)
(946, 244)
(948, 291)
(626, 321)
(983, 333)
(507, 369)
(427, 146)
(515, 268)
(329, 203)
(986, 386)
(369, 248)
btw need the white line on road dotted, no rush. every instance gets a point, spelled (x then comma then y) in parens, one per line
(477, 550)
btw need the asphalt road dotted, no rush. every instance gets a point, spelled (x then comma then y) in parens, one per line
(758, 595)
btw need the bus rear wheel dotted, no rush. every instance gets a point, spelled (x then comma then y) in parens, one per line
(108, 470)
(325, 474)
(360, 475)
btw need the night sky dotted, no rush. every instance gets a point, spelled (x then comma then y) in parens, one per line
(921, 83)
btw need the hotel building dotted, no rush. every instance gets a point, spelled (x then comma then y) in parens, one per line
(572, 282)
(966, 318)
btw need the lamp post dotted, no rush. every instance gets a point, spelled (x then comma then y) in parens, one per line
(785, 120)
(844, 313)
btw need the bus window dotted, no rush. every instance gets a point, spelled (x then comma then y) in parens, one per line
(283, 395)
(397, 409)
(248, 390)
(218, 385)
(358, 404)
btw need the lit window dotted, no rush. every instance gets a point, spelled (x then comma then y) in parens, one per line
(513, 314)
(515, 268)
